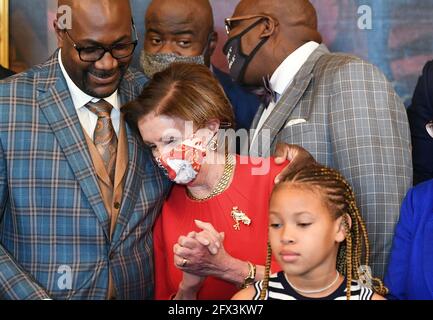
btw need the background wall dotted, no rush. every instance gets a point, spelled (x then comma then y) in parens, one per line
(400, 41)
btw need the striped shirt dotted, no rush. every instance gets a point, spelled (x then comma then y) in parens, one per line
(280, 289)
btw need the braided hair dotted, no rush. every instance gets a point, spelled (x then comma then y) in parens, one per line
(354, 251)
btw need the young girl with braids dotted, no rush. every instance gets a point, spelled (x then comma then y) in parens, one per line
(318, 237)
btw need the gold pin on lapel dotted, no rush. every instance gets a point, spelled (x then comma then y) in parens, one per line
(239, 216)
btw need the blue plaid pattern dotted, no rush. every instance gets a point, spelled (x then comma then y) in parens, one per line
(54, 228)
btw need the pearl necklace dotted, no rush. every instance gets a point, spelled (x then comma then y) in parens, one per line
(314, 291)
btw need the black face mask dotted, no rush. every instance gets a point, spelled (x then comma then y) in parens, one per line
(237, 60)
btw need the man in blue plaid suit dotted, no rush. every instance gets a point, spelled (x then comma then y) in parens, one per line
(55, 237)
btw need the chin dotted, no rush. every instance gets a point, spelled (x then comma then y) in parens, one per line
(103, 91)
(99, 89)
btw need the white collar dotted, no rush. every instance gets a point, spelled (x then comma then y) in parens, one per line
(81, 98)
(287, 70)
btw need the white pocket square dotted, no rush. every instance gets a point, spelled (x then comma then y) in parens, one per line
(295, 122)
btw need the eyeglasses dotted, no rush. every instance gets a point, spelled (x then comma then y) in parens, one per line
(229, 21)
(95, 53)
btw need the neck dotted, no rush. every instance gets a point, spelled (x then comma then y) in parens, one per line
(210, 173)
(317, 279)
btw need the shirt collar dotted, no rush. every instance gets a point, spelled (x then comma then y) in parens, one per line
(80, 98)
(287, 70)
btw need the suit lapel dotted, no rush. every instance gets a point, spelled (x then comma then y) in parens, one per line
(286, 105)
(56, 104)
(122, 154)
(133, 184)
(134, 170)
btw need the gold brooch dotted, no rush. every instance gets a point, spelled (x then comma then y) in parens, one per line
(239, 217)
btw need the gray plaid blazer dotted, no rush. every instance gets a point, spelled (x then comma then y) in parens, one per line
(54, 228)
(356, 123)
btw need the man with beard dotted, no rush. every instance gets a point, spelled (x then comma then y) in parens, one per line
(183, 31)
(78, 191)
(339, 107)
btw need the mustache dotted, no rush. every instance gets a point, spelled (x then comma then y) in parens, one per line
(104, 74)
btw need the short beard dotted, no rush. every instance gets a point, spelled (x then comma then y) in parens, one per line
(103, 75)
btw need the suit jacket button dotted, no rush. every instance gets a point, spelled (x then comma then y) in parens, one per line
(117, 205)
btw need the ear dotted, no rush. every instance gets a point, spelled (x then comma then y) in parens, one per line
(213, 42)
(59, 34)
(213, 125)
(344, 225)
(270, 27)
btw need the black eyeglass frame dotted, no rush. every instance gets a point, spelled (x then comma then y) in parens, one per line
(228, 21)
(104, 49)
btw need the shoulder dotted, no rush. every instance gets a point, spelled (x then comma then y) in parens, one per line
(419, 199)
(39, 76)
(245, 294)
(427, 72)
(425, 82)
(359, 292)
(422, 190)
(377, 297)
(19, 91)
(339, 66)
(259, 168)
(26, 78)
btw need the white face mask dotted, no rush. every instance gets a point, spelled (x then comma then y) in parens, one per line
(183, 163)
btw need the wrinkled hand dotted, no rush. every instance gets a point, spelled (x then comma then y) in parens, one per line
(298, 157)
(203, 251)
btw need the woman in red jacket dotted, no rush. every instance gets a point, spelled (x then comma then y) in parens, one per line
(211, 237)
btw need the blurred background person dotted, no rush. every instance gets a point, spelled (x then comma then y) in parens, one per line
(420, 114)
(183, 31)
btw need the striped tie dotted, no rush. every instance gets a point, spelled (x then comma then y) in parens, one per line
(105, 138)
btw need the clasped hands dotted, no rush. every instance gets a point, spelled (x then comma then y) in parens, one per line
(200, 253)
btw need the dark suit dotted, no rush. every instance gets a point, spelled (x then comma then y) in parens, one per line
(53, 222)
(4, 73)
(245, 104)
(420, 112)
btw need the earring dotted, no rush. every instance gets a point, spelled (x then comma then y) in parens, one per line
(213, 145)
